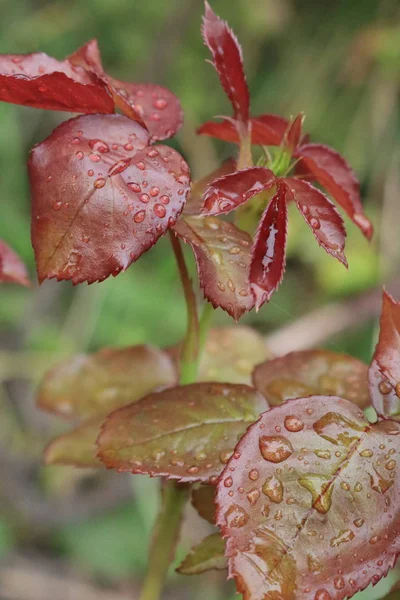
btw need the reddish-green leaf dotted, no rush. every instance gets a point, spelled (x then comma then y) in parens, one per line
(101, 197)
(76, 448)
(202, 499)
(293, 133)
(41, 81)
(321, 216)
(384, 373)
(269, 249)
(310, 502)
(309, 372)
(228, 62)
(194, 203)
(266, 130)
(12, 269)
(93, 385)
(222, 253)
(332, 171)
(207, 555)
(229, 192)
(184, 433)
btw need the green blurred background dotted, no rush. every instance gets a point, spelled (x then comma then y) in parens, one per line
(71, 535)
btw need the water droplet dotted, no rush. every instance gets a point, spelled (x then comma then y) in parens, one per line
(375, 539)
(99, 183)
(323, 454)
(385, 387)
(99, 146)
(140, 165)
(235, 250)
(160, 104)
(236, 516)
(275, 448)
(359, 522)
(139, 216)
(193, 470)
(152, 153)
(144, 198)
(345, 536)
(128, 147)
(90, 172)
(228, 482)
(164, 199)
(154, 191)
(293, 423)
(321, 491)
(315, 224)
(345, 486)
(224, 456)
(57, 205)
(94, 157)
(254, 475)
(391, 465)
(135, 187)
(358, 487)
(273, 489)
(79, 155)
(339, 583)
(119, 166)
(252, 496)
(366, 453)
(160, 210)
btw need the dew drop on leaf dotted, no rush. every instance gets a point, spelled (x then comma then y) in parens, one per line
(139, 216)
(236, 516)
(160, 210)
(293, 423)
(275, 448)
(99, 183)
(273, 489)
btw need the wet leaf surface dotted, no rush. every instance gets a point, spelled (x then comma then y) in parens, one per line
(309, 502)
(87, 386)
(310, 372)
(207, 555)
(186, 433)
(222, 253)
(12, 269)
(98, 203)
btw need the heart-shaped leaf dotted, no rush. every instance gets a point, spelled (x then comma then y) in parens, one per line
(41, 81)
(12, 269)
(384, 372)
(76, 448)
(101, 197)
(222, 253)
(269, 248)
(195, 202)
(310, 372)
(310, 502)
(93, 385)
(332, 171)
(186, 433)
(202, 499)
(321, 216)
(207, 555)
(229, 192)
(228, 62)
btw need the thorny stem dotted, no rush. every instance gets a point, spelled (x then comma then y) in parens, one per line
(166, 529)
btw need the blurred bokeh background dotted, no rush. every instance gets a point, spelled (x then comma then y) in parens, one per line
(73, 535)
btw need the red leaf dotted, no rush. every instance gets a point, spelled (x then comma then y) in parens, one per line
(293, 134)
(269, 249)
(309, 372)
(333, 172)
(309, 503)
(101, 197)
(266, 130)
(186, 432)
(321, 216)
(194, 203)
(41, 81)
(385, 367)
(12, 269)
(229, 192)
(228, 62)
(222, 253)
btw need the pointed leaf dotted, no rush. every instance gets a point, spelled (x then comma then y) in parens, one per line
(202, 499)
(319, 518)
(76, 448)
(207, 555)
(194, 203)
(332, 171)
(266, 130)
(41, 81)
(222, 253)
(231, 191)
(184, 433)
(293, 133)
(87, 386)
(269, 248)
(228, 62)
(321, 216)
(384, 372)
(101, 197)
(309, 372)
(12, 269)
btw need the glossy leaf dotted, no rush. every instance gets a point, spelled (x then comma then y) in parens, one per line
(384, 373)
(309, 502)
(269, 248)
(332, 171)
(76, 448)
(266, 130)
(207, 555)
(231, 191)
(87, 386)
(98, 203)
(195, 202)
(12, 269)
(41, 81)
(293, 133)
(222, 253)
(321, 216)
(228, 62)
(202, 499)
(184, 433)
(309, 372)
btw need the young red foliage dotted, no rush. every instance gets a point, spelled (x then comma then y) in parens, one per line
(12, 269)
(319, 517)
(266, 130)
(101, 197)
